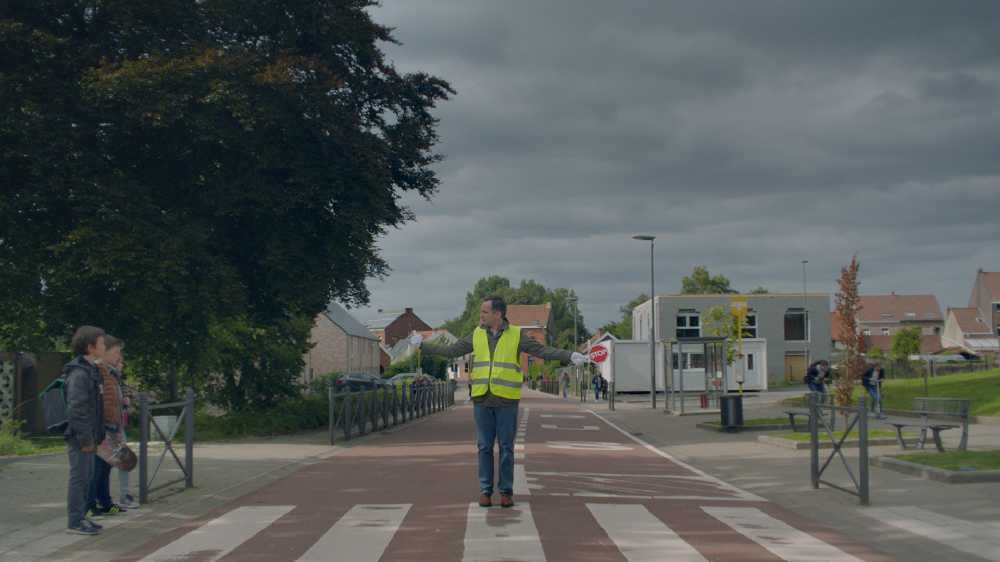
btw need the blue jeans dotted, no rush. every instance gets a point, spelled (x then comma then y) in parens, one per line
(816, 387)
(99, 494)
(597, 393)
(876, 396)
(495, 424)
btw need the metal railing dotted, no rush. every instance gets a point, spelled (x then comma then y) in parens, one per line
(857, 416)
(185, 417)
(363, 412)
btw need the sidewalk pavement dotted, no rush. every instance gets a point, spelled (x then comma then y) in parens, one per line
(782, 475)
(33, 521)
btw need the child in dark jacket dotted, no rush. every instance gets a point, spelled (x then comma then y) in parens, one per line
(85, 427)
(872, 381)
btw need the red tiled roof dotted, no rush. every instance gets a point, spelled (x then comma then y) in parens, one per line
(969, 321)
(899, 308)
(529, 315)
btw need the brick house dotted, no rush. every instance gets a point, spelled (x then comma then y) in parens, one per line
(390, 327)
(535, 321)
(341, 344)
(883, 316)
(985, 298)
(976, 328)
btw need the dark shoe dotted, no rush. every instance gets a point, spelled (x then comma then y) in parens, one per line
(84, 528)
(98, 525)
(506, 500)
(485, 500)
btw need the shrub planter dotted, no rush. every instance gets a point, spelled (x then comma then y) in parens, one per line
(938, 474)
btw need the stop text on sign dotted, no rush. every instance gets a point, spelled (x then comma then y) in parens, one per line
(598, 354)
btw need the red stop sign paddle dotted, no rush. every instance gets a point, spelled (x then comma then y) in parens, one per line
(598, 353)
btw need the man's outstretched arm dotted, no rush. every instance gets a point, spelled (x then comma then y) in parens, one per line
(457, 349)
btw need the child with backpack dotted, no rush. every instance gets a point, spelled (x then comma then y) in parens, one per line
(84, 423)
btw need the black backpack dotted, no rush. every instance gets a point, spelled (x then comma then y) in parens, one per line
(53, 400)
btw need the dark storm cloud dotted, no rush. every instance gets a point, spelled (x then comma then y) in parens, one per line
(746, 137)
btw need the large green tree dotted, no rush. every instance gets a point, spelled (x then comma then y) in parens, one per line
(622, 329)
(195, 175)
(701, 282)
(529, 292)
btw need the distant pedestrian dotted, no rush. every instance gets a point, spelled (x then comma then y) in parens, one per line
(496, 379)
(604, 388)
(564, 382)
(596, 383)
(816, 376)
(872, 381)
(85, 427)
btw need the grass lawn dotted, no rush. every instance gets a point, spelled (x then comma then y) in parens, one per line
(982, 388)
(872, 434)
(956, 460)
(18, 445)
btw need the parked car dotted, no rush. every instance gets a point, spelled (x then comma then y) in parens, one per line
(402, 378)
(355, 382)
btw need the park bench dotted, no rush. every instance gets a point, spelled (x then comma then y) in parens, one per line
(934, 414)
(825, 401)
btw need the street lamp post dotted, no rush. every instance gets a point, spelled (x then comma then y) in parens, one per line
(805, 312)
(572, 301)
(652, 318)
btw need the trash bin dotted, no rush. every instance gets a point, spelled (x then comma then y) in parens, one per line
(731, 406)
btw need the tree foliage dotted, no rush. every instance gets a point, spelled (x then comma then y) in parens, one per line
(201, 177)
(848, 303)
(701, 282)
(905, 343)
(622, 329)
(529, 292)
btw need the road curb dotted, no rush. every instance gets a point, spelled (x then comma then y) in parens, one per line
(936, 474)
(713, 426)
(825, 443)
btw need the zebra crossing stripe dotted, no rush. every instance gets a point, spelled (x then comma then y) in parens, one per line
(640, 535)
(785, 541)
(510, 534)
(979, 539)
(220, 536)
(361, 535)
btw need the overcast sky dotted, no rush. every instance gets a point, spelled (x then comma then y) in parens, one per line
(745, 136)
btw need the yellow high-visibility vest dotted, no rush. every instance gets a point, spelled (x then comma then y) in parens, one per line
(501, 373)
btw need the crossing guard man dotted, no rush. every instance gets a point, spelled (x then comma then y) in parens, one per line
(496, 380)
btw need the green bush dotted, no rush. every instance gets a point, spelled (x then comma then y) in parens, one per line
(298, 414)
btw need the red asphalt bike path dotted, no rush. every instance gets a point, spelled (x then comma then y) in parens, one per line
(585, 491)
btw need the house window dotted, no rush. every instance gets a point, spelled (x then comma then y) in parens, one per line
(796, 325)
(750, 325)
(866, 332)
(688, 324)
(996, 307)
(750, 361)
(885, 331)
(998, 329)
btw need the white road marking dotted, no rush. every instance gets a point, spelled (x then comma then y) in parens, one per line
(785, 541)
(640, 535)
(509, 535)
(726, 485)
(222, 535)
(584, 428)
(564, 416)
(977, 538)
(361, 535)
(588, 445)
(521, 481)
